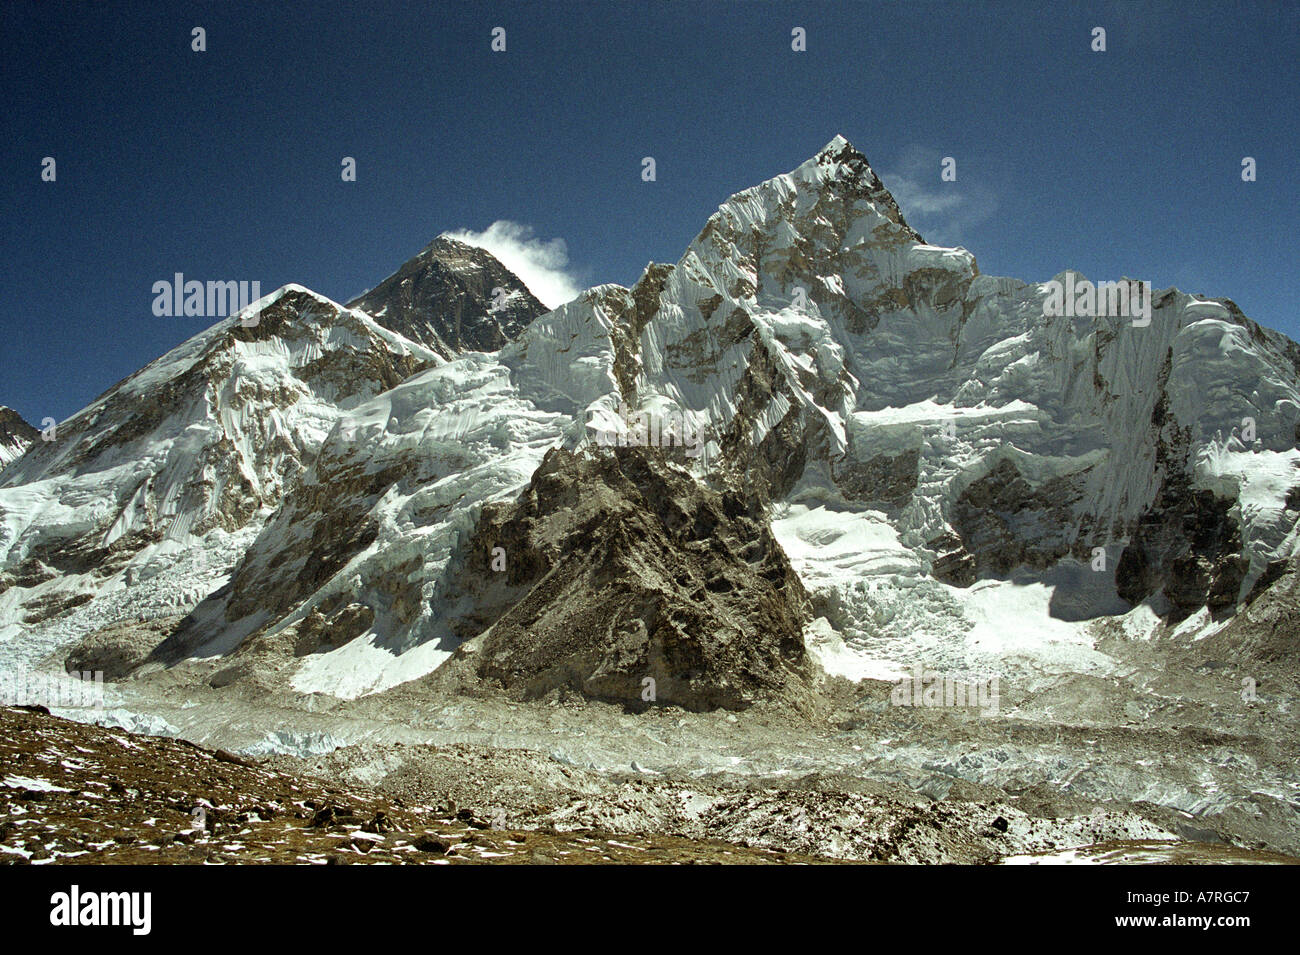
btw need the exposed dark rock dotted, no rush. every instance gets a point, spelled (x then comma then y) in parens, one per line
(431, 843)
(16, 435)
(1004, 522)
(1264, 636)
(274, 580)
(884, 480)
(118, 649)
(1271, 573)
(53, 605)
(633, 310)
(443, 298)
(771, 467)
(29, 573)
(953, 565)
(317, 632)
(1187, 545)
(623, 568)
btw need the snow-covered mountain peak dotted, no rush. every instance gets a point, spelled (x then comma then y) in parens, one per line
(827, 229)
(825, 352)
(193, 450)
(838, 160)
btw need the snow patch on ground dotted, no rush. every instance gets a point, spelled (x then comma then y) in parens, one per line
(361, 667)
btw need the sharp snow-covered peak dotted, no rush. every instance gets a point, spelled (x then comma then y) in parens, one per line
(453, 297)
(822, 349)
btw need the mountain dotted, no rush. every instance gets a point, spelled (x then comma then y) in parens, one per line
(897, 457)
(627, 580)
(663, 558)
(452, 297)
(165, 474)
(15, 435)
(936, 423)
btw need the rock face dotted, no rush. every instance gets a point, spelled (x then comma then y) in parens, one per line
(118, 649)
(988, 516)
(452, 297)
(15, 435)
(624, 578)
(1262, 642)
(1187, 546)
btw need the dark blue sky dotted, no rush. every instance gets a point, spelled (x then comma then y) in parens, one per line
(225, 164)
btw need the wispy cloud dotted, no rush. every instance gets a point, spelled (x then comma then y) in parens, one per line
(943, 212)
(541, 264)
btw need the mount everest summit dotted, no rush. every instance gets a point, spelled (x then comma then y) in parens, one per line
(902, 460)
(453, 298)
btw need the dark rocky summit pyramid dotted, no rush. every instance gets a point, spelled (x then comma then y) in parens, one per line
(452, 297)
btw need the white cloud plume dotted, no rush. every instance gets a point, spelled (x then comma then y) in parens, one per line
(943, 212)
(541, 264)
